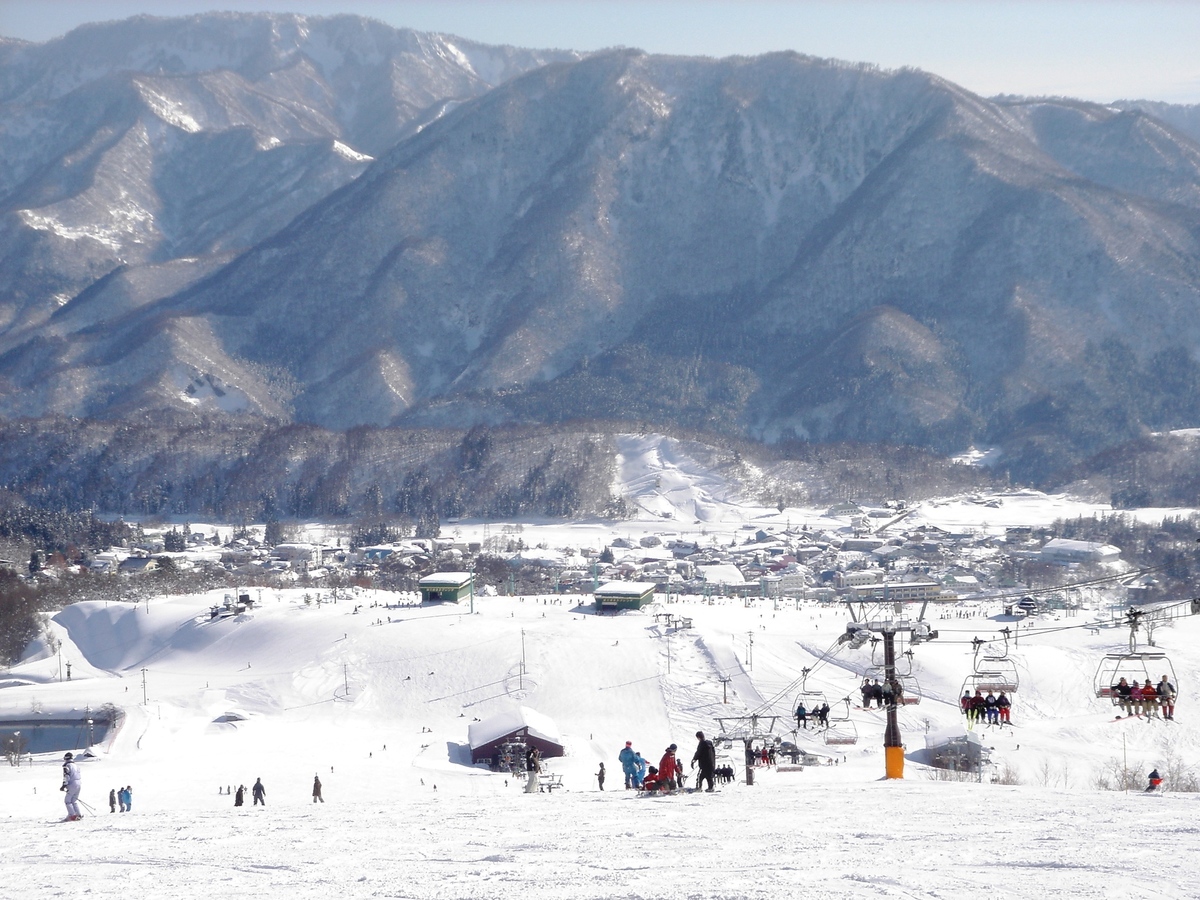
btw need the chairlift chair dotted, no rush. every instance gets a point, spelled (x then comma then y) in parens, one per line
(1138, 667)
(998, 674)
(841, 730)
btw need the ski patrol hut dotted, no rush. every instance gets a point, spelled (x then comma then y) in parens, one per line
(446, 587)
(614, 595)
(518, 726)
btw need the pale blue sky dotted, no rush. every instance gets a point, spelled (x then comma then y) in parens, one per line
(1092, 50)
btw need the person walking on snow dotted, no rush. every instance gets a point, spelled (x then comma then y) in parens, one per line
(112, 800)
(706, 758)
(628, 764)
(239, 795)
(71, 783)
(259, 793)
(317, 789)
(600, 776)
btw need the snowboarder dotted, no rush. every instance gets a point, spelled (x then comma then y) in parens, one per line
(316, 790)
(71, 784)
(706, 759)
(628, 764)
(259, 793)
(600, 776)
(240, 797)
(1155, 781)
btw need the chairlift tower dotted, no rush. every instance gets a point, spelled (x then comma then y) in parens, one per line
(856, 635)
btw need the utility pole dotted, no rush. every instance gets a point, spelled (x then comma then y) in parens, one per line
(346, 677)
(521, 677)
(750, 655)
(725, 679)
(143, 686)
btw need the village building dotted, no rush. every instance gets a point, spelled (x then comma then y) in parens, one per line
(446, 587)
(614, 595)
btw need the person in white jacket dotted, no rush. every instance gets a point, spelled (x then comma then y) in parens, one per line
(71, 784)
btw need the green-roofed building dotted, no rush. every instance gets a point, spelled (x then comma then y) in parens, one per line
(446, 587)
(614, 595)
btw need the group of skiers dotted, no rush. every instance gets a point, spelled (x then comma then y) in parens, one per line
(992, 709)
(120, 796)
(668, 775)
(887, 694)
(818, 714)
(1145, 699)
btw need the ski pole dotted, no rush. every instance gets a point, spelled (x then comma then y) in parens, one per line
(87, 806)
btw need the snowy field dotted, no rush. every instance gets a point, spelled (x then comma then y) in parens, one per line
(378, 703)
(324, 691)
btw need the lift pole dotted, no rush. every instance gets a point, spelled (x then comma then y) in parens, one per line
(893, 749)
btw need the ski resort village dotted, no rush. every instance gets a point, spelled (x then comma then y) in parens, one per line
(902, 700)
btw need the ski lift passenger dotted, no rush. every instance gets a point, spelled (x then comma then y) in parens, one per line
(965, 703)
(1150, 699)
(1166, 698)
(1136, 700)
(1003, 705)
(801, 716)
(1124, 694)
(889, 693)
(865, 690)
(990, 710)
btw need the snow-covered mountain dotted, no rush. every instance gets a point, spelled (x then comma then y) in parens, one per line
(170, 144)
(779, 246)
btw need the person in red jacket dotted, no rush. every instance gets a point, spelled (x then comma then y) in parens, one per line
(668, 768)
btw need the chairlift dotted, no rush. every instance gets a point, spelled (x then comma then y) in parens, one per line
(1140, 667)
(910, 688)
(986, 683)
(997, 674)
(841, 730)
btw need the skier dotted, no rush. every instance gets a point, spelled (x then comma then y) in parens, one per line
(706, 758)
(259, 793)
(600, 776)
(71, 783)
(317, 789)
(1003, 706)
(1155, 781)
(240, 797)
(628, 763)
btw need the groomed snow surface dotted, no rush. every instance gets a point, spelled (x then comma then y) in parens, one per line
(378, 703)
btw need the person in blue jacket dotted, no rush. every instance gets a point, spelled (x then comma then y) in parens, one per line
(628, 763)
(639, 777)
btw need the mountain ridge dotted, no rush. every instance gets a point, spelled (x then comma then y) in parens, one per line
(777, 247)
